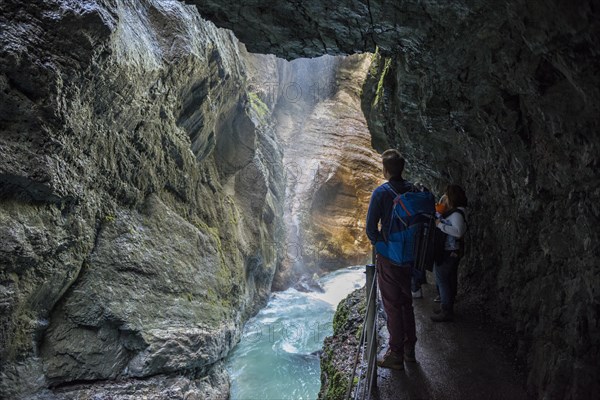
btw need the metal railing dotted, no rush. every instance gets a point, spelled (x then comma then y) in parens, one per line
(366, 351)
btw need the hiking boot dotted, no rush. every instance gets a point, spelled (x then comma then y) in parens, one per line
(418, 294)
(392, 360)
(443, 316)
(438, 299)
(409, 353)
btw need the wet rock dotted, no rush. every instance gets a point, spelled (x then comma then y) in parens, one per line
(214, 385)
(330, 165)
(306, 284)
(510, 119)
(132, 242)
(339, 350)
(503, 99)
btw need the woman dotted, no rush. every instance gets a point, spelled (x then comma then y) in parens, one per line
(453, 224)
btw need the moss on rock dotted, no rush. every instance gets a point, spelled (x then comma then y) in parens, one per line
(336, 362)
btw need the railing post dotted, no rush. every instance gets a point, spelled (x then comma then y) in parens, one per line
(371, 338)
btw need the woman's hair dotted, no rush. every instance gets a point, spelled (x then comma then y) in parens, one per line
(393, 162)
(456, 196)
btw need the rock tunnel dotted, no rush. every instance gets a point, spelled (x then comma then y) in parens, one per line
(145, 174)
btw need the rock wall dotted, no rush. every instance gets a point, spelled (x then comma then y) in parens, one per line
(501, 97)
(121, 118)
(510, 113)
(339, 350)
(330, 164)
(140, 200)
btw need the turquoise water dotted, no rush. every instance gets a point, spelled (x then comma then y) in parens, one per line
(276, 358)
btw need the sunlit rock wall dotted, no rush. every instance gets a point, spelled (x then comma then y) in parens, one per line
(330, 165)
(140, 200)
(502, 97)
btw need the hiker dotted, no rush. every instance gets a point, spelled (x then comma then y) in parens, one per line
(440, 208)
(394, 280)
(453, 224)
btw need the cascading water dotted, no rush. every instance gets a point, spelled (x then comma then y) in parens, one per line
(313, 81)
(277, 357)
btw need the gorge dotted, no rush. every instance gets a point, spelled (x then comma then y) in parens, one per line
(150, 175)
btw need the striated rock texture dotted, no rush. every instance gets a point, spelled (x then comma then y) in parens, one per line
(293, 29)
(339, 350)
(140, 200)
(503, 98)
(507, 105)
(330, 165)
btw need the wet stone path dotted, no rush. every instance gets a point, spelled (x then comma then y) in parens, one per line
(457, 360)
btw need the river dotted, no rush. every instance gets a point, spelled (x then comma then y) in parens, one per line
(277, 357)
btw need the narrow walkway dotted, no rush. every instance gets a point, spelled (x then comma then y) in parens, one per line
(455, 361)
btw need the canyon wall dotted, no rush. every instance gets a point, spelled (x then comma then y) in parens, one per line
(503, 98)
(511, 113)
(143, 208)
(141, 190)
(141, 178)
(330, 165)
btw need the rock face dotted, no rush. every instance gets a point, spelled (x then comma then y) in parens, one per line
(330, 165)
(339, 350)
(310, 28)
(501, 97)
(119, 119)
(512, 120)
(141, 193)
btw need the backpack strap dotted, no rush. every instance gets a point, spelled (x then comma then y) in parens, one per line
(454, 210)
(404, 207)
(389, 188)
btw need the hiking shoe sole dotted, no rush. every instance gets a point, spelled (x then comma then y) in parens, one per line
(397, 367)
(441, 317)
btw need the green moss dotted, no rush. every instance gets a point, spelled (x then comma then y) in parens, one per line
(233, 212)
(109, 218)
(20, 336)
(375, 60)
(379, 92)
(337, 388)
(258, 106)
(337, 383)
(358, 332)
(340, 317)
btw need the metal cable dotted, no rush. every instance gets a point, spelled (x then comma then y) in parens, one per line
(372, 351)
(362, 338)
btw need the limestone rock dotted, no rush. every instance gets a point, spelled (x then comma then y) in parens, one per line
(513, 120)
(214, 386)
(330, 165)
(131, 244)
(501, 97)
(337, 358)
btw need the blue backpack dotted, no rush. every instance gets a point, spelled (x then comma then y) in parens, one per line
(410, 224)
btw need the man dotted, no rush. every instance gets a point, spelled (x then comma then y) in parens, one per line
(394, 280)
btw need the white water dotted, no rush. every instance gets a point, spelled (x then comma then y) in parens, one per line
(276, 360)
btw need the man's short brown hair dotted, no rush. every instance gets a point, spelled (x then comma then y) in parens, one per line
(393, 162)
